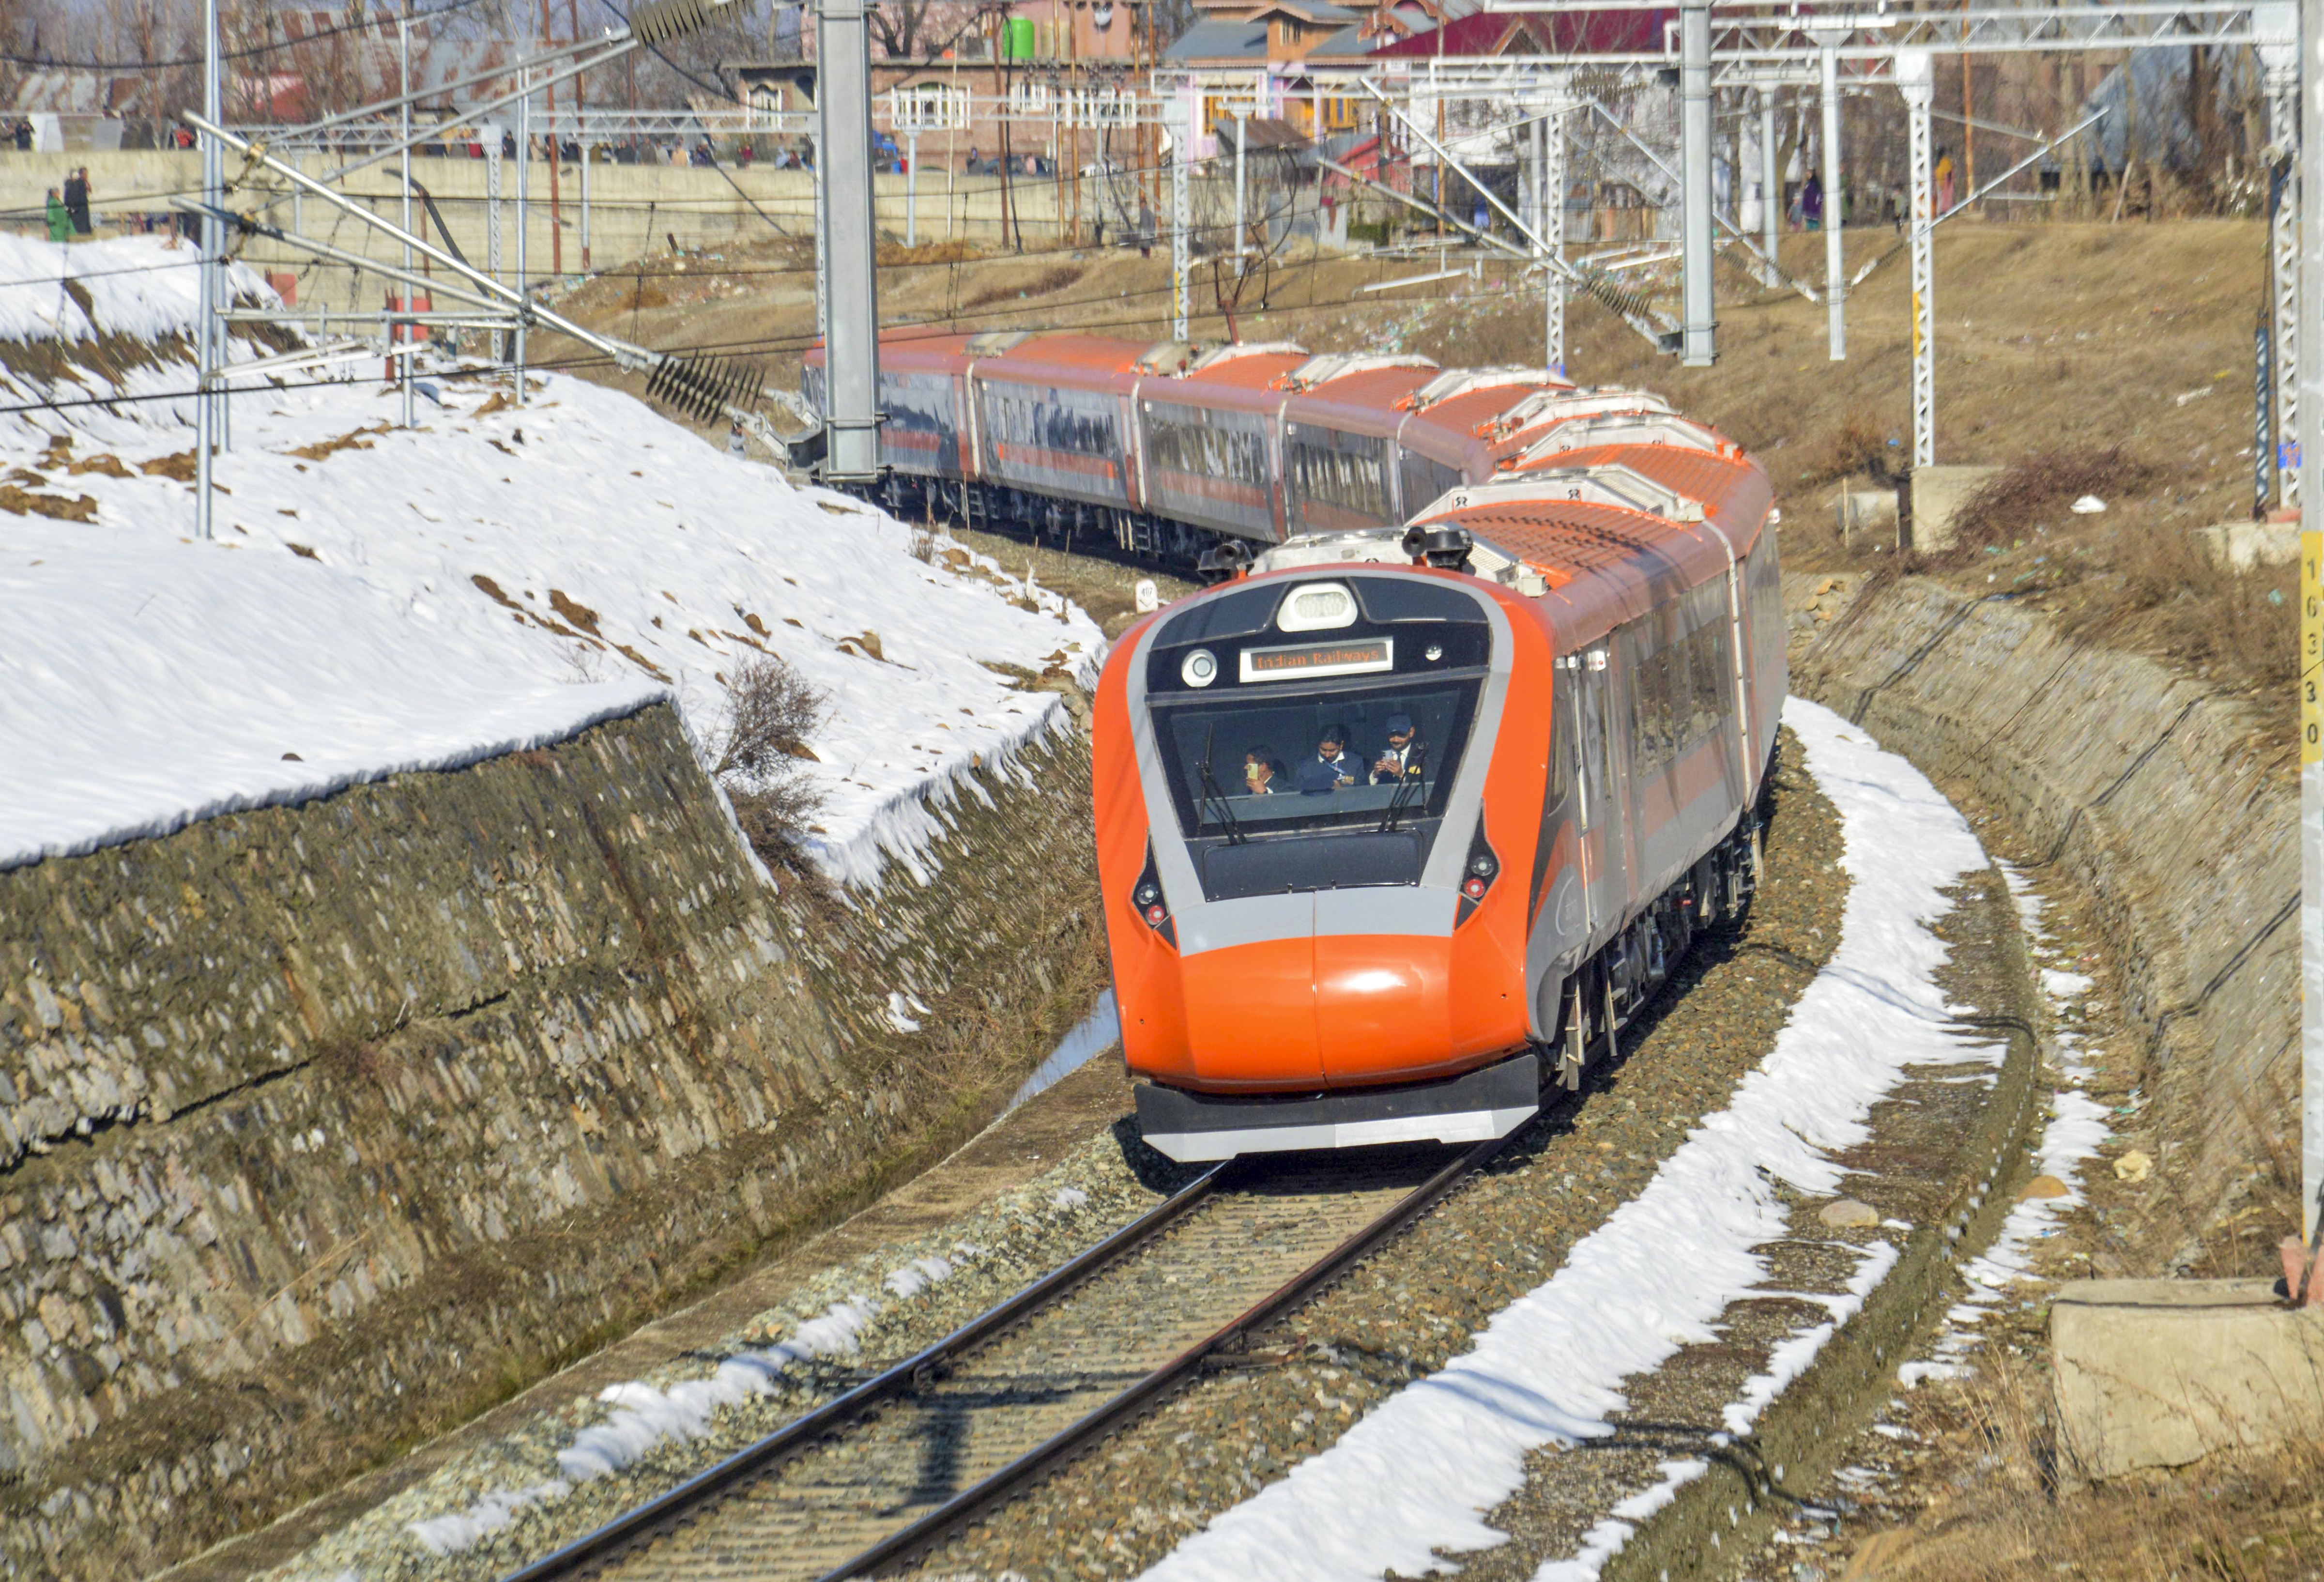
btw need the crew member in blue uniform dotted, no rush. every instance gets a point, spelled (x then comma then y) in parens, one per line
(1332, 766)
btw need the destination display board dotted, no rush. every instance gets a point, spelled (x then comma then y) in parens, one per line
(1358, 657)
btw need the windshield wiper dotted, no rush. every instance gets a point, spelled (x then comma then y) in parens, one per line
(1416, 770)
(1212, 792)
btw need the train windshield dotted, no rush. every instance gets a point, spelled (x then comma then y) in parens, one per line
(1276, 763)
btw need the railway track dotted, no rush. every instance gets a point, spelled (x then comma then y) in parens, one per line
(912, 1454)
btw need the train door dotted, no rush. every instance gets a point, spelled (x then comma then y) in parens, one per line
(1604, 799)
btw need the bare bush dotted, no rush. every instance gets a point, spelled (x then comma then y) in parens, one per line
(771, 710)
(2039, 492)
(1858, 447)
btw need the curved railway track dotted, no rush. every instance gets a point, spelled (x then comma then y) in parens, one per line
(913, 1453)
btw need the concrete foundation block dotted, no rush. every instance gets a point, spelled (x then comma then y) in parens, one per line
(1936, 496)
(2245, 546)
(1862, 508)
(2158, 1372)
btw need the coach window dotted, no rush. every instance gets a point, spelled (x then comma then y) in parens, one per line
(1425, 480)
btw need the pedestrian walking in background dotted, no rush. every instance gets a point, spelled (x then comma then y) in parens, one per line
(60, 227)
(77, 201)
(737, 446)
(1811, 201)
(1145, 229)
(1944, 182)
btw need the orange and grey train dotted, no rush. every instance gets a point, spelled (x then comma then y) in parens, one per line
(1404, 818)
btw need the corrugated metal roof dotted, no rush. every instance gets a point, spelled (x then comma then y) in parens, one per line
(1219, 39)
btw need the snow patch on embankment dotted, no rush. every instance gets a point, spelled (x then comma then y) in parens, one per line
(1420, 1472)
(380, 599)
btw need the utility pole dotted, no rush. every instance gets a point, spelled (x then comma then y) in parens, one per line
(1771, 187)
(822, 229)
(1916, 77)
(581, 121)
(1968, 114)
(524, 221)
(1551, 222)
(402, 365)
(1182, 151)
(1242, 127)
(2310, 340)
(491, 132)
(206, 347)
(556, 223)
(852, 340)
(2281, 68)
(1835, 269)
(1698, 346)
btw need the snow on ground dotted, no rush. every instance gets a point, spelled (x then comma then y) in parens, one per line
(1420, 1472)
(137, 286)
(380, 599)
(1093, 1034)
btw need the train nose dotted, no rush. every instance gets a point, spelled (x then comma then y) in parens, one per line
(1250, 1015)
(1380, 1005)
(1328, 1010)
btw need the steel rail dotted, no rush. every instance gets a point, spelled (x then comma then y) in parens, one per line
(1008, 1481)
(595, 1548)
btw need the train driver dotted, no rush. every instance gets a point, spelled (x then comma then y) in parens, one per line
(1262, 773)
(1405, 756)
(1331, 767)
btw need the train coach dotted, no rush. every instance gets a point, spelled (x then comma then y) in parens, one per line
(1406, 817)
(1171, 450)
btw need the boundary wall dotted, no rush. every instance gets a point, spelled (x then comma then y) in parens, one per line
(633, 209)
(321, 1127)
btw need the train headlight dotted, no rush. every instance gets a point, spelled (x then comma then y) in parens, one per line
(1478, 872)
(1199, 669)
(1319, 606)
(1146, 896)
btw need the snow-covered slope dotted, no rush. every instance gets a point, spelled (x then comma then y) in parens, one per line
(380, 599)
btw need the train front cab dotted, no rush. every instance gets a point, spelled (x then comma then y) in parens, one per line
(1325, 967)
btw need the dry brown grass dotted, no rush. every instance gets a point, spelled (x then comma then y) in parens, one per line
(895, 254)
(1056, 277)
(1996, 1511)
(2039, 492)
(2150, 586)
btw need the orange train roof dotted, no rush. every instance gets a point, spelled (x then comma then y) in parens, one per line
(1362, 402)
(1734, 489)
(1257, 371)
(1566, 539)
(1078, 354)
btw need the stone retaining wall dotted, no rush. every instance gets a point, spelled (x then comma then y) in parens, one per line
(2161, 800)
(322, 1126)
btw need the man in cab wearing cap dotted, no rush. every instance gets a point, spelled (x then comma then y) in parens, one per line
(1404, 757)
